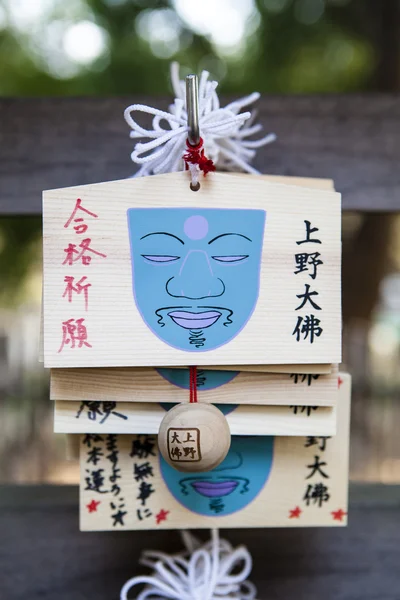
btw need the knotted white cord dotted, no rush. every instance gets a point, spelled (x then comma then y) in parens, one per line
(225, 131)
(201, 572)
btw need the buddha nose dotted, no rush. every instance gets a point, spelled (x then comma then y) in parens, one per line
(195, 279)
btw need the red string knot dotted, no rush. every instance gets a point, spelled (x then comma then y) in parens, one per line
(195, 156)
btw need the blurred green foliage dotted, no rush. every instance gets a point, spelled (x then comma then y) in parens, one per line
(19, 248)
(106, 47)
(286, 46)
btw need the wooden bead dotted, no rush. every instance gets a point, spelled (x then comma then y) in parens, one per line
(194, 437)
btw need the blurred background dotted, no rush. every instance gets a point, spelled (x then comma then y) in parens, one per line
(114, 47)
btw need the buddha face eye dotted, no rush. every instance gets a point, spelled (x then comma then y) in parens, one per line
(160, 258)
(234, 258)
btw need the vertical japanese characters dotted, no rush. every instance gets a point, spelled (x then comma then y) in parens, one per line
(308, 326)
(74, 330)
(98, 450)
(317, 490)
(117, 505)
(103, 458)
(143, 449)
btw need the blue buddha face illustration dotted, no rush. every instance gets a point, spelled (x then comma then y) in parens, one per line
(231, 486)
(196, 272)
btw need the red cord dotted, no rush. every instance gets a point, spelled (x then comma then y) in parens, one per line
(195, 156)
(193, 384)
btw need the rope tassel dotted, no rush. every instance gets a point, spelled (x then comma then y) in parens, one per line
(210, 571)
(225, 133)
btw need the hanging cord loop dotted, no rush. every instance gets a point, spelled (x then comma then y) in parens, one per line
(227, 133)
(210, 571)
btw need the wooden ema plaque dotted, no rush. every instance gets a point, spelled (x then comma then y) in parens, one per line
(172, 385)
(146, 272)
(264, 481)
(136, 417)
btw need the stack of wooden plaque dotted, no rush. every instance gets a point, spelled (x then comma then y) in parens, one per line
(143, 278)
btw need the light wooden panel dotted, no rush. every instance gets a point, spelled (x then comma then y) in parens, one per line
(129, 417)
(314, 369)
(297, 492)
(112, 321)
(306, 369)
(147, 385)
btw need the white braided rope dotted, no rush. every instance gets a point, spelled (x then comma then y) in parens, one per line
(201, 572)
(225, 131)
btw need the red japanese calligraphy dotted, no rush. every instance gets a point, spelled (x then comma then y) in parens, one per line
(81, 227)
(74, 334)
(74, 331)
(73, 255)
(77, 288)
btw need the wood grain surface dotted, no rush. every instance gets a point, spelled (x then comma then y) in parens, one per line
(147, 385)
(43, 556)
(142, 417)
(120, 332)
(49, 143)
(264, 494)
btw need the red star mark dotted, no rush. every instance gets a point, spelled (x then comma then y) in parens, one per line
(92, 506)
(339, 381)
(162, 516)
(295, 513)
(338, 514)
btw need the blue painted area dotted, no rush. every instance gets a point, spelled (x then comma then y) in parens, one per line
(232, 485)
(224, 408)
(206, 380)
(196, 272)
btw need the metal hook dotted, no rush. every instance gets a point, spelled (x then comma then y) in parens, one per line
(192, 108)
